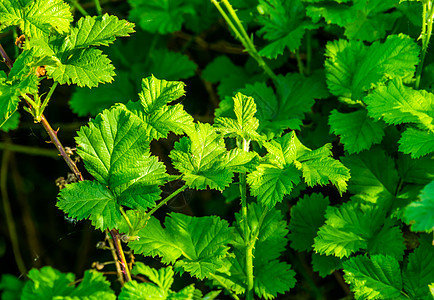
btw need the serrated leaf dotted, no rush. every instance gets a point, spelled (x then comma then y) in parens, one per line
(416, 142)
(352, 227)
(98, 31)
(306, 218)
(420, 171)
(201, 159)
(418, 273)
(8, 99)
(162, 16)
(373, 175)
(357, 131)
(397, 104)
(420, 214)
(245, 125)
(274, 278)
(283, 24)
(133, 290)
(362, 20)
(49, 283)
(162, 277)
(35, 18)
(378, 277)
(197, 245)
(153, 110)
(90, 199)
(171, 65)
(353, 68)
(115, 149)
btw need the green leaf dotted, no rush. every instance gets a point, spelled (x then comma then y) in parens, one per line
(11, 123)
(245, 125)
(378, 277)
(153, 110)
(11, 287)
(282, 166)
(197, 245)
(162, 277)
(133, 290)
(86, 101)
(201, 159)
(283, 24)
(325, 264)
(98, 31)
(8, 99)
(35, 18)
(373, 175)
(353, 227)
(357, 131)
(162, 16)
(362, 20)
(90, 199)
(420, 214)
(171, 65)
(49, 283)
(420, 171)
(353, 68)
(115, 150)
(398, 104)
(418, 273)
(306, 218)
(416, 142)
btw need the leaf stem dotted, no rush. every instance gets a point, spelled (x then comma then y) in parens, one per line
(299, 62)
(48, 97)
(224, 286)
(242, 35)
(79, 7)
(117, 242)
(168, 198)
(427, 23)
(8, 213)
(60, 148)
(98, 8)
(126, 218)
(115, 257)
(6, 58)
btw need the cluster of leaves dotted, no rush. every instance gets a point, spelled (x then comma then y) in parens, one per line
(384, 123)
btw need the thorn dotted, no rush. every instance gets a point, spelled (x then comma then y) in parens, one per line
(49, 142)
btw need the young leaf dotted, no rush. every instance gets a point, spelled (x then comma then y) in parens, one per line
(197, 245)
(245, 125)
(90, 199)
(418, 273)
(36, 18)
(153, 110)
(201, 159)
(353, 68)
(416, 142)
(49, 283)
(306, 218)
(373, 175)
(115, 149)
(378, 277)
(162, 16)
(133, 290)
(419, 214)
(398, 104)
(357, 131)
(283, 24)
(162, 277)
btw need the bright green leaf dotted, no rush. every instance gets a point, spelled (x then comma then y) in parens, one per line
(420, 214)
(416, 142)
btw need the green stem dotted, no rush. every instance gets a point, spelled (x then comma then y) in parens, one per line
(224, 286)
(8, 213)
(126, 218)
(427, 23)
(48, 97)
(242, 35)
(79, 7)
(98, 8)
(151, 50)
(167, 199)
(299, 62)
(15, 36)
(29, 150)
